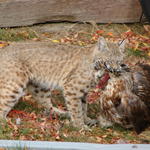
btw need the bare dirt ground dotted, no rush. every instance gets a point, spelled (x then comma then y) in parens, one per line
(27, 122)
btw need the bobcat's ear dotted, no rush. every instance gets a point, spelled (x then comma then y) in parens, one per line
(102, 44)
(122, 45)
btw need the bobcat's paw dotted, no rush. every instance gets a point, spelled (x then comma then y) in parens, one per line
(57, 111)
(90, 122)
(85, 128)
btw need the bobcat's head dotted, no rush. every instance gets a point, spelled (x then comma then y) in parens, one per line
(110, 56)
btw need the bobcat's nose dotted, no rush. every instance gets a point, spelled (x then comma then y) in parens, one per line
(117, 70)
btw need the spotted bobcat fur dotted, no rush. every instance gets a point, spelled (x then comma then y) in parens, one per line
(42, 69)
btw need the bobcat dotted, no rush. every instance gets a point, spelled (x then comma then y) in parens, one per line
(42, 69)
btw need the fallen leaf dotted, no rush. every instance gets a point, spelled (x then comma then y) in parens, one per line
(36, 39)
(55, 41)
(3, 44)
(104, 136)
(110, 34)
(147, 28)
(57, 138)
(136, 46)
(100, 31)
(99, 139)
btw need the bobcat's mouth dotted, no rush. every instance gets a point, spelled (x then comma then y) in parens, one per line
(116, 68)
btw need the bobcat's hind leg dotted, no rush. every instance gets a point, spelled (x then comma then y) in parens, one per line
(10, 93)
(43, 96)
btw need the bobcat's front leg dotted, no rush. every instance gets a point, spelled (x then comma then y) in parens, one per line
(74, 106)
(73, 94)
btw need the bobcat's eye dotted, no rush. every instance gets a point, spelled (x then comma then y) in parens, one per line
(123, 65)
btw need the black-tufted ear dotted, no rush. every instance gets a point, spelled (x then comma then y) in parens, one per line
(122, 45)
(102, 44)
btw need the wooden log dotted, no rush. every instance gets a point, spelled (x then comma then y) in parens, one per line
(29, 12)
